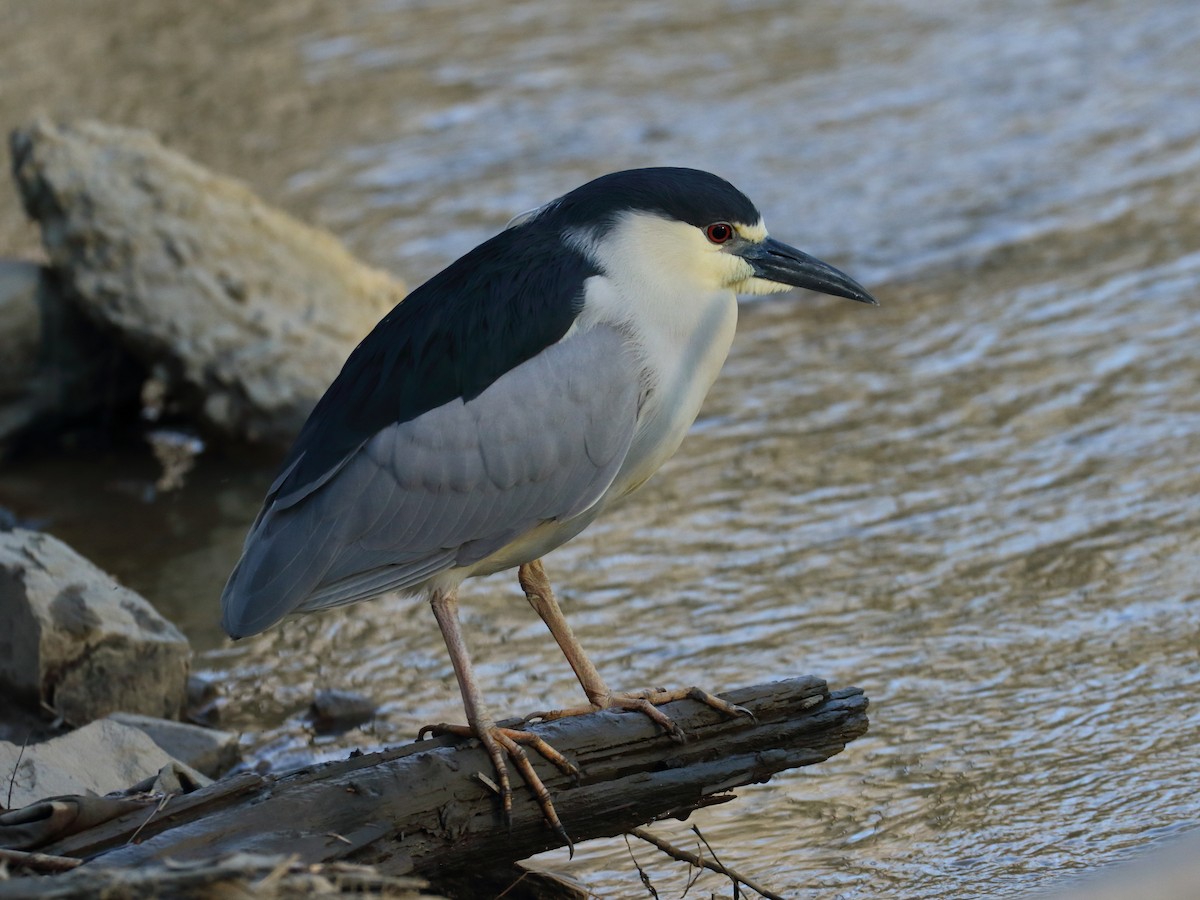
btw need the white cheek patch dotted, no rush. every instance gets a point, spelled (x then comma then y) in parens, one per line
(737, 272)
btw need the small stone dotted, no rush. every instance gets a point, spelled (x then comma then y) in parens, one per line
(200, 693)
(206, 750)
(334, 712)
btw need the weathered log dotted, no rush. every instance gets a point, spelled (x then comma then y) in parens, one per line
(425, 808)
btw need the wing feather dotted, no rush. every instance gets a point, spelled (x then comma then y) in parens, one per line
(449, 487)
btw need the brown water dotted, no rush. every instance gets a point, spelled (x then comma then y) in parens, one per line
(978, 502)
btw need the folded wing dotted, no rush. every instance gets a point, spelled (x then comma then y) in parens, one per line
(446, 489)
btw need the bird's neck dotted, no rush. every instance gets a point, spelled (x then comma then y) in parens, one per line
(680, 341)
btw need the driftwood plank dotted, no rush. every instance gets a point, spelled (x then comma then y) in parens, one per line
(423, 809)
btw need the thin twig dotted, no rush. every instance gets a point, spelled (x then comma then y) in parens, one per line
(519, 879)
(641, 872)
(695, 860)
(12, 779)
(154, 812)
(39, 862)
(716, 859)
(272, 878)
(694, 874)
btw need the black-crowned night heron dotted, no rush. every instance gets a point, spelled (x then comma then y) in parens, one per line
(506, 403)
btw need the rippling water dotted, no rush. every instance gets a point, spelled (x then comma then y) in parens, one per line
(978, 502)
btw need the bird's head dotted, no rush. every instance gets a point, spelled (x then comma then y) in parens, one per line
(686, 226)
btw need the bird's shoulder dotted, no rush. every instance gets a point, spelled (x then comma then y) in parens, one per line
(491, 310)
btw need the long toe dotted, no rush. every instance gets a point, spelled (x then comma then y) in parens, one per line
(501, 742)
(647, 702)
(614, 701)
(511, 740)
(695, 693)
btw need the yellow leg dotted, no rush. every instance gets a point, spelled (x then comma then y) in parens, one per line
(480, 724)
(538, 592)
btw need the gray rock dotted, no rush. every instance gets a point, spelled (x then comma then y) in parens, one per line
(74, 640)
(51, 357)
(246, 313)
(99, 758)
(206, 750)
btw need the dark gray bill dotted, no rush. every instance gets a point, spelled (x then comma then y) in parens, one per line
(776, 261)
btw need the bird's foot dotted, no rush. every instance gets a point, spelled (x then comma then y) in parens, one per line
(509, 741)
(647, 702)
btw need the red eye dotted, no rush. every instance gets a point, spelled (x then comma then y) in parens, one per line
(719, 232)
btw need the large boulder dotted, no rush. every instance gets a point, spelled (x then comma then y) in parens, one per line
(78, 643)
(245, 313)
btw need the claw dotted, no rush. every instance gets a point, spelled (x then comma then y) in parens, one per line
(715, 702)
(433, 730)
(550, 715)
(495, 740)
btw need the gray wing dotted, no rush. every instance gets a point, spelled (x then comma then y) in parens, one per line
(449, 488)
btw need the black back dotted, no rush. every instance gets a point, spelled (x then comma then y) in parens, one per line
(486, 313)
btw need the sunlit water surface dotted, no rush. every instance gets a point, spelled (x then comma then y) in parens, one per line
(978, 502)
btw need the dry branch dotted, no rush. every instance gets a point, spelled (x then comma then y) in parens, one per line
(422, 808)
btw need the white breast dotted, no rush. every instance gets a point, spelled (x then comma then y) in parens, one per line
(681, 369)
(681, 340)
